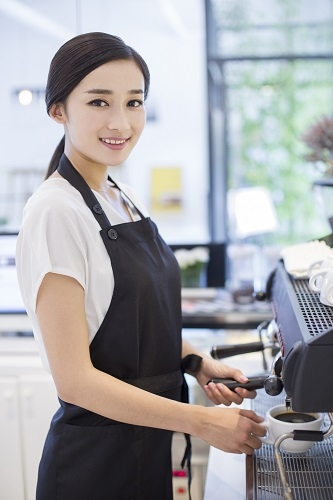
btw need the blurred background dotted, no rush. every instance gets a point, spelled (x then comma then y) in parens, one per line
(239, 138)
(234, 86)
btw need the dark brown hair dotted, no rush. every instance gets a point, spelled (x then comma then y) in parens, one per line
(76, 59)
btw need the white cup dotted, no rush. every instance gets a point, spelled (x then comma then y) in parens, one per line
(326, 291)
(324, 286)
(275, 428)
(316, 280)
(326, 263)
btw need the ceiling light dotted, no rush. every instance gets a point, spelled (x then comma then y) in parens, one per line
(25, 97)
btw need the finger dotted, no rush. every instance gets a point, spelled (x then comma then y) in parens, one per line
(239, 376)
(245, 394)
(254, 442)
(210, 394)
(215, 396)
(228, 394)
(224, 395)
(259, 430)
(251, 415)
(248, 450)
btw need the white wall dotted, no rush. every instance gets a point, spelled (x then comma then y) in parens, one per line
(169, 34)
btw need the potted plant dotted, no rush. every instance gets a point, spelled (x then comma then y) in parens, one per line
(192, 265)
(319, 139)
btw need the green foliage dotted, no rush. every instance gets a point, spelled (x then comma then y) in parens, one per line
(269, 111)
(271, 101)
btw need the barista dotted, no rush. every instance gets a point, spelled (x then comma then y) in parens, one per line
(102, 290)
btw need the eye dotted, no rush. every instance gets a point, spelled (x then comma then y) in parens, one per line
(135, 103)
(98, 103)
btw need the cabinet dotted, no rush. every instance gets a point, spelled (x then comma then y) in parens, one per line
(38, 402)
(27, 402)
(11, 473)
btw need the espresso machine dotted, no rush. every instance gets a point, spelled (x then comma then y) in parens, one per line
(301, 376)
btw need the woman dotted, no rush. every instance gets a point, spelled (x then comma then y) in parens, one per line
(102, 290)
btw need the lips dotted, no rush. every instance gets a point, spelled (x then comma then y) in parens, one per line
(114, 143)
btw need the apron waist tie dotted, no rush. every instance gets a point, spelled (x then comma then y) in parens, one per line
(158, 383)
(192, 363)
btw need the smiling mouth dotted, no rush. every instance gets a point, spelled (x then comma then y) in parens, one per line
(114, 141)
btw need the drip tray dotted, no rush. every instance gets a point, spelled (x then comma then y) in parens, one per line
(310, 475)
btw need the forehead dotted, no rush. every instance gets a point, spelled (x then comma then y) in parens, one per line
(114, 74)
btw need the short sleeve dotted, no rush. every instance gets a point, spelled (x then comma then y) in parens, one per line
(51, 240)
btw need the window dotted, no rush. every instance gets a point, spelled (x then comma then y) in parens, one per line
(270, 76)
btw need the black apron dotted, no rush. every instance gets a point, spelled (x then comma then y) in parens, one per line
(87, 456)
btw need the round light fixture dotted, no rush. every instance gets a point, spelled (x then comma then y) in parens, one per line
(25, 97)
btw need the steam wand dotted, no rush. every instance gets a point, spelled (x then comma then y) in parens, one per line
(286, 490)
(298, 435)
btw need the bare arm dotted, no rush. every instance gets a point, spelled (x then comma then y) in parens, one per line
(61, 314)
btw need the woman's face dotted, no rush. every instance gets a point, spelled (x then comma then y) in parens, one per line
(105, 114)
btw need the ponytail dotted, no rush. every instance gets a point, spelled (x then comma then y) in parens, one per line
(53, 165)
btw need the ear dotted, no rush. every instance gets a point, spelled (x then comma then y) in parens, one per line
(57, 113)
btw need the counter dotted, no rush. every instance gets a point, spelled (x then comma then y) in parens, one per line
(204, 308)
(214, 308)
(226, 472)
(226, 477)
(14, 323)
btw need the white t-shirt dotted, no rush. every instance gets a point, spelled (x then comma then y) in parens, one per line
(59, 234)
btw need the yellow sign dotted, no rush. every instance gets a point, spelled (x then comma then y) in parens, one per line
(166, 189)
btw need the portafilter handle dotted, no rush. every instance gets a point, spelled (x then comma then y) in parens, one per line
(272, 384)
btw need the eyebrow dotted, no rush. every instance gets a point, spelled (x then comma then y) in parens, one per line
(109, 92)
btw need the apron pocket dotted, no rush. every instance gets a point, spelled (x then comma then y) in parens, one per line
(108, 463)
(98, 462)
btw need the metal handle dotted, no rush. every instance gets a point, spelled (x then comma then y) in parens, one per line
(300, 435)
(253, 383)
(286, 490)
(225, 351)
(297, 435)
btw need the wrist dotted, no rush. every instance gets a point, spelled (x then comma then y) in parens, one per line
(197, 420)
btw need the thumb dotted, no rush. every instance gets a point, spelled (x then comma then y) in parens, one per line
(252, 416)
(240, 377)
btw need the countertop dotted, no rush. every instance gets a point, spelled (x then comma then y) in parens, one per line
(226, 472)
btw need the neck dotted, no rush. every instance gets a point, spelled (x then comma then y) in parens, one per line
(95, 174)
(104, 189)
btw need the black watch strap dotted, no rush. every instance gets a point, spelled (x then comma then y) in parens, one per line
(191, 363)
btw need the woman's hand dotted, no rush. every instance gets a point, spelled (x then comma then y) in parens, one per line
(219, 393)
(232, 430)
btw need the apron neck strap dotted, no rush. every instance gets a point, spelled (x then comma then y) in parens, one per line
(66, 170)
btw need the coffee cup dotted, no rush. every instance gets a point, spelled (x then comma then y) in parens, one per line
(316, 280)
(326, 290)
(325, 286)
(326, 263)
(280, 420)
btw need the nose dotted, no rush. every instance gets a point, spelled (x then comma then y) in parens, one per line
(118, 119)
